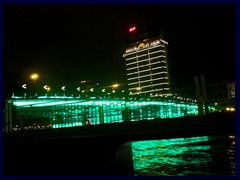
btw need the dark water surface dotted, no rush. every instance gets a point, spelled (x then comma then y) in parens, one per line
(195, 156)
(68, 157)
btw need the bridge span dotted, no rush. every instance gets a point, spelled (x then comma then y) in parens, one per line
(52, 113)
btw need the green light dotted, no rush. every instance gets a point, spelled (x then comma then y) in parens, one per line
(73, 112)
(161, 157)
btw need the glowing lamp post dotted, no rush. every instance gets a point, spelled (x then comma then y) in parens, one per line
(63, 88)
(114, 87)
(83, 88)
(47, 89)
(79, 90)
(34, 76)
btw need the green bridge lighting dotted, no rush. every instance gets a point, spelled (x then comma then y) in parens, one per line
(71, 112)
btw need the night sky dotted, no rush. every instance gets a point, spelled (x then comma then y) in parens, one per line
(69, 43)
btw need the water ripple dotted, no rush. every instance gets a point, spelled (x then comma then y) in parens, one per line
(195, 156)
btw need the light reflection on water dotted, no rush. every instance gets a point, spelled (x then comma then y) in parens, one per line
(195, 156)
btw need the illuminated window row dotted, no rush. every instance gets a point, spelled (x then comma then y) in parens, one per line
(161, 67)
(150, 47)
(147, 75)
(165, 42)
(166, 88)
(148, 80)
(145, 54)
(131, 51)
(135, 57)
(148, 59)
(149, 86)
(148, 65)
(156, 46)
(157, 51)
(157, 63)
(137, 51)
(145, 50)
(151, 80)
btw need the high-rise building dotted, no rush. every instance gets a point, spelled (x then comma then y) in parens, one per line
(146, 62)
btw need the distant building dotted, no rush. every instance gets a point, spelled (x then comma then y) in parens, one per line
(222, 93)
(146, 62)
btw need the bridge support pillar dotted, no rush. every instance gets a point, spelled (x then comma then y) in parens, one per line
(8, 122)
(204, 93)
(201, 94)
(101, 115)
(198, 96)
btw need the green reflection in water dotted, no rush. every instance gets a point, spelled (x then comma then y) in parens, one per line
(171, 156)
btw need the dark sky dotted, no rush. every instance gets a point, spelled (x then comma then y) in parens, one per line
(69, 43)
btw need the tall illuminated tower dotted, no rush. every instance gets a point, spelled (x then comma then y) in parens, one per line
(146, 62)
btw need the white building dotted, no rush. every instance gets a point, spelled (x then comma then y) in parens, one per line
(146, 65)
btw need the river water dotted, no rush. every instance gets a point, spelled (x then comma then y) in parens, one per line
(194, 156)
(110, 156)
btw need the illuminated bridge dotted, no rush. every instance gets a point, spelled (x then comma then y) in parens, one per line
(58, 126)
(52, 112)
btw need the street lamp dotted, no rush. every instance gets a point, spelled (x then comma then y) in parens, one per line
(83, 88)
(115, 85)
(79, 90)
(34, 76)
(47, 89)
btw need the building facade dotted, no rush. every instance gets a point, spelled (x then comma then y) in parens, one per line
(146, 63)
